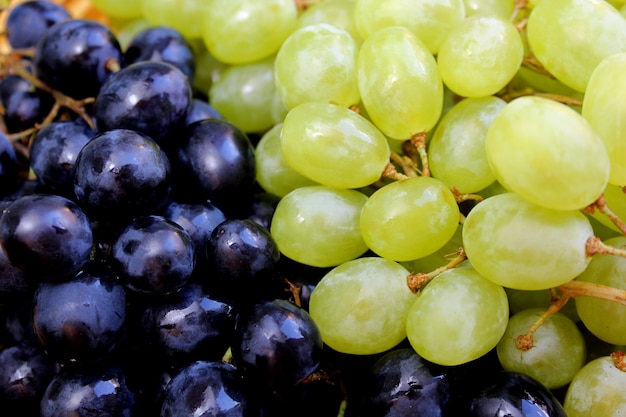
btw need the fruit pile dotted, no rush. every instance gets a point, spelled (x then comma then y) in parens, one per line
(352, 208)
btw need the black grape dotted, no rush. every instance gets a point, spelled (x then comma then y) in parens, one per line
(28, 21)
(24, 105)
(200, 110)
(9, 166)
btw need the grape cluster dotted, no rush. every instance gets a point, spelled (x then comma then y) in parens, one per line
(353, 208)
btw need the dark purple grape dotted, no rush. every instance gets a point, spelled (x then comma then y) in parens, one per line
(25, 372)
(53, 154)
(516, 395)
(88, 394)
(206, 389)
(46, 235)
(153, 255)
(262, 208)
(18, 322)
(9, 166)
(189, 325)
(120, 174)
(14, 282)
(277, 344)
(162, 43)
(24, 105)
(214, 160)
(82, 320)
(77, 56)
(402, 383)
(27, 21)
(150, 97)
(200, 110)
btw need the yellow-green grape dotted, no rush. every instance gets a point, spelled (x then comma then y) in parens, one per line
(127, 32)
(605, 319)
(558, 349)
(317, 63)
(500, 8)
(319, 225)
(361, 306)
(409, 219)
(338, 13)
(541, 82)
(480, 56)
(456, 151)
(123, 9)
(438, 258)
(458, 317)
(615, 198)
(548, 153)
(399, 83)
(244, 31)
(182, 15)
(245, 95)
(273, 174)
(520, 300)
(520, 245)
(208, 68)
(605, 109)
(333, 145)
(597, 390)
(571, 37)
(429, 20)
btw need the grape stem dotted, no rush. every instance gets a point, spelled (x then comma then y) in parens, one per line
(408, 168)
(391, 172)
(461, 197)
(619, 360)
(295, 291)
(601, 205)
(419, 141)
(417, 281)
(595, 246)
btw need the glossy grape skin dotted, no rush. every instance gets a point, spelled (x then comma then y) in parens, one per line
(206, 388)
(339, 13)
(75, 56)
(47, 236)
(201, 109)
(153, 255)
(27, 21)
(53, 153)
(83, 320)
(23, 104)
(276, 344)
(104, 390)
(214, 160)
(151, 97)
(120, 174)
(162, 43)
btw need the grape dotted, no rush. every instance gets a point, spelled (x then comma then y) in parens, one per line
(458, 317)
(317, 63)
(520, 300)
(246, 96)
(604, 110)
(409, 219)
(273, 173)
(333, 145)
(122, 9)
(547, 153)
(605, 319)
(480, 56)
(24, 105)
(500, 8)
(182, 16)
(244, 31)
(319, 225)
(27, 21)
(615, 198)
(361, 306)
(429, 20)
(597, 390)
(571, 37)
(399, 83)
(523, 246)
(558, 348)
(339, 13)
(456, 152)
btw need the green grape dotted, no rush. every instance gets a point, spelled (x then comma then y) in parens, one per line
(605, 110)
(615, 198)
(558, 349)
(520, 300)
(333, 145)
(399, 83)
(317, 63)
(429, 20)
(480, 56)
(500, 8)
(458, 317)
(520, 245)
(494, 189)
(182, 15)
(571, 37)
(456, 152)
(409, 219)
(245, 31)
(245, 94)
(127, 32)
(361, 306)
(605, 319)
(339, 13)
(273, 174)
(597, 390)
(538, 81)
(208, 68)
(438, 258)
(123, 9)
(319, 225)
(548, 153)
